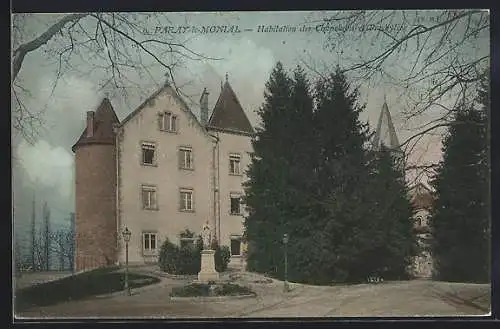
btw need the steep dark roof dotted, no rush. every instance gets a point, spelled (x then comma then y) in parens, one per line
(385, 133)
(228, 115)
(104, 119)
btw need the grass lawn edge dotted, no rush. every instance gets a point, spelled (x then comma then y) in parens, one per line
(79, 287)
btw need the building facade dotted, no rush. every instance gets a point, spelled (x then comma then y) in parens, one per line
(159, 172)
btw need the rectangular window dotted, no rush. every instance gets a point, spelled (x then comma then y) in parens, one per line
(186, 200)
(234, 164)
(235, 204)
(149, 197)
(186, 158)
(235, 246)
(148, 153)
(149, 241)
(168, 122)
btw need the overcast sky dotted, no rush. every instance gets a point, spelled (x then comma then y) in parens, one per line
(46, 168)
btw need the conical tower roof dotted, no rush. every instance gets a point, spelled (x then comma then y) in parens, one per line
(104, 119)
(385, 133)
(228, 114)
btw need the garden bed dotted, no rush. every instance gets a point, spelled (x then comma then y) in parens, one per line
(211, 290)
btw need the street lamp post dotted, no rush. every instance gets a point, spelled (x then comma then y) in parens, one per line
(126, 237)
(285, 242)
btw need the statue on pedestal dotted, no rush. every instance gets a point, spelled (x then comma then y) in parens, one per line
(205, 235)
(207, 269)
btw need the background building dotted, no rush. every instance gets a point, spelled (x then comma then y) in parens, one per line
(422, 199)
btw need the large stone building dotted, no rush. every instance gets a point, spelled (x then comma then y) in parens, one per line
(420, 194)
(158, 172)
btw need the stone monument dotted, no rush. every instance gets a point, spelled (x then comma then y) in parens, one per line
(207, 269)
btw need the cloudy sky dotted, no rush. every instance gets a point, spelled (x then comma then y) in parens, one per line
(45, 168)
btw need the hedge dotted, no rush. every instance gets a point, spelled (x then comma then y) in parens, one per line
(186, 260)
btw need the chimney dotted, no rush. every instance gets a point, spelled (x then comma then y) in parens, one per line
(90, 123)
(204, 107)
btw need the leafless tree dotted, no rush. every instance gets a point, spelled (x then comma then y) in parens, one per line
(120, 46)
(39, 252)
(46, 232)
(33, 235)
(60, 244)
(63, 245)
(433, 59)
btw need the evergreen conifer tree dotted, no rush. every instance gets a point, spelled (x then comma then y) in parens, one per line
(268, 179)
(461, 215)
(342, 171)
(393, 239)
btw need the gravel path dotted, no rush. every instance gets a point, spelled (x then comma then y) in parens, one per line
(412, 298)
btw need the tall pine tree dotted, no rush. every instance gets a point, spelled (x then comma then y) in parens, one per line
(342, 171)
(394, 241)
(461, 215)
(279, 177)
(312, 177)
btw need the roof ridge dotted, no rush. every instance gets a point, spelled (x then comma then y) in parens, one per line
(184, 107)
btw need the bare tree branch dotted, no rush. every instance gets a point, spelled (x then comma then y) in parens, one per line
(21, 51)
(115, 46)
(434, 60)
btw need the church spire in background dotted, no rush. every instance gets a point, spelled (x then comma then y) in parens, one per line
(385, 133)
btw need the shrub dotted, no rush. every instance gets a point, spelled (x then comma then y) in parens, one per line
(168, 259)
(187, 260)
(222, 257)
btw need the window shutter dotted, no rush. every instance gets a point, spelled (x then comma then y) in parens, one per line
(154, 200)
(144, 241)
(174, 123)
(181, 201)
(181, 159)
(152, 242)
(144, 198)
(160, 121)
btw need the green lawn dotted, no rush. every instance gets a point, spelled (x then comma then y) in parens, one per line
(96, 282)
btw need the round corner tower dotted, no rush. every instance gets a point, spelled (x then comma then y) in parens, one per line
(95, 190)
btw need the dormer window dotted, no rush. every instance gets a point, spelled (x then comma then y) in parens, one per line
(168, 122)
